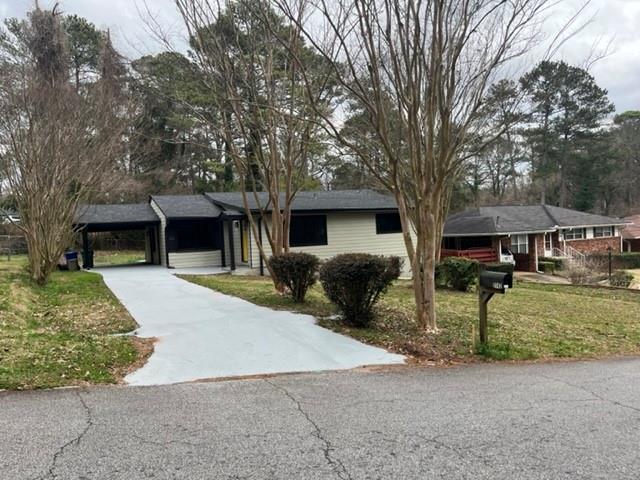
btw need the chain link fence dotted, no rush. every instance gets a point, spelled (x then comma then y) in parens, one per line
(11, 245)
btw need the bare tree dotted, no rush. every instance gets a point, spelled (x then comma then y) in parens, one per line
(421, 69)
(253, 60)
(55, 144)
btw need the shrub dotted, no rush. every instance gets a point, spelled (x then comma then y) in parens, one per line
(628, 260)
(620, 278)
(460, 273)
(297, 271)
(578, 274)
(547, 267)
(440, 279)
(558, 263)
(355, 281)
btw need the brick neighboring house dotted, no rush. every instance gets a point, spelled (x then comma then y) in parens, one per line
(529, 232)
(631, 234)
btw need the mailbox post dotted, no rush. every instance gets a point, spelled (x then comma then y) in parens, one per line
(490, 283)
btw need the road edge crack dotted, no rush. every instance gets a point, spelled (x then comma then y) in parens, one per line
(336, 465)
(51, 472)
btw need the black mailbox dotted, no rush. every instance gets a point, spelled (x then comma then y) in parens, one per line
(498, 282)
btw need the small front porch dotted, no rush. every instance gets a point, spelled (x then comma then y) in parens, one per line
(523, 250)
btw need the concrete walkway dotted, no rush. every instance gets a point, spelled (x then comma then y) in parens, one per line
(205, 334)
(541, 278)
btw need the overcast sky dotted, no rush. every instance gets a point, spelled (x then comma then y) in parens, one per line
(614, 22)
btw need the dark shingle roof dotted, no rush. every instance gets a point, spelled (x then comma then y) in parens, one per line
(310, 201)
(565, 217)
(186, 206)
(520, 219)
(112, 214)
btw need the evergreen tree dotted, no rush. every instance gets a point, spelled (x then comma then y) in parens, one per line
(568, 109)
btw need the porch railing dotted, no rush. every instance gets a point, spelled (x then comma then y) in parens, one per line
(483, 255)
(570, 254)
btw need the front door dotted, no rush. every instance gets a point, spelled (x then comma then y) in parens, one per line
(548, 245)
(244, 233)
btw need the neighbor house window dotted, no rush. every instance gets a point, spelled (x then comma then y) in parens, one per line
(388, 223)
(575, 234)
(308, 230)
(599, 232)
(194, 235)
(520, 244)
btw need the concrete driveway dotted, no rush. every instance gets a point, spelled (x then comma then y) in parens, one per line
(205, 334)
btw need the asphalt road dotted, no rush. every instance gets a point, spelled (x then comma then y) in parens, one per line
(544, 421)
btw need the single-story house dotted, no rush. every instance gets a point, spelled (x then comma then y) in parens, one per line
(213, 230)
(631, 234)
(529, 232)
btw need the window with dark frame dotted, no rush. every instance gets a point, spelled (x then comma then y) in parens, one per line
(575, 234)
(194, 235)
(520, 244)
(600, 232)
(388, 223)
(308, 230)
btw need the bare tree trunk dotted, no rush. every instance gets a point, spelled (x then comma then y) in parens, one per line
(55, 145)
(253, 64)
(420, 70)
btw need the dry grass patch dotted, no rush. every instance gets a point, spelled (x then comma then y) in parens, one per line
(63, 333)
(533, 321)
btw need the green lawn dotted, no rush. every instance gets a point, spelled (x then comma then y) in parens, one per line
(62, 333)
(124, 257)
(532, 321)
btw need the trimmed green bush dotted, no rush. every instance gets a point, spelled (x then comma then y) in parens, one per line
(620, 278)
(297, 271)
(622, 261)
(440, 279)
(460, 273)
(547, 267)
(558, 263)
(354, 282)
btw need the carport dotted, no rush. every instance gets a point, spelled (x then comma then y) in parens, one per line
(117, 218)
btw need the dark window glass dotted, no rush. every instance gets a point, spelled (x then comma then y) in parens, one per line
(194, 235)
(308, 230)
(388, 223)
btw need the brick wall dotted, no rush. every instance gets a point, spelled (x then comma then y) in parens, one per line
(595, 245)
(540, 244)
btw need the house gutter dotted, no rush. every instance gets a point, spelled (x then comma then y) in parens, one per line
(494, 234)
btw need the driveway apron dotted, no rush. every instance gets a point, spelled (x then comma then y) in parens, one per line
(205, 334)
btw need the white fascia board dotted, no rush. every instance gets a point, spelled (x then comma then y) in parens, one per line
(499, 234)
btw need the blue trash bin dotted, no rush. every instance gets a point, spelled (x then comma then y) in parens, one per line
(72, 260)
(71, 255)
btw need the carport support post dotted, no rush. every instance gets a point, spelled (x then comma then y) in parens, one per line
(87, 261)
(232, 250)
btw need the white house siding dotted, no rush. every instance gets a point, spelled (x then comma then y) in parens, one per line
(161, 233)
(348, 233)
(211, 258)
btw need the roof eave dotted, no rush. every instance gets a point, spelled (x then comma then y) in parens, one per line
(606, 224)
(497, 234)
